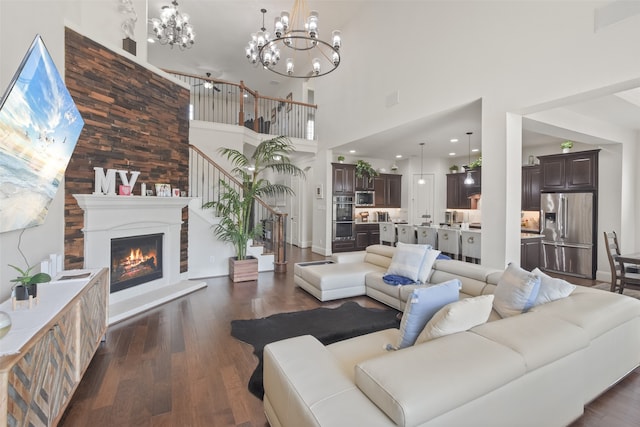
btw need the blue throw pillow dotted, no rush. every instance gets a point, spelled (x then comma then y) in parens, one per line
(422, 304)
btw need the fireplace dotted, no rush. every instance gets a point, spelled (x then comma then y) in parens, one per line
(135, 260)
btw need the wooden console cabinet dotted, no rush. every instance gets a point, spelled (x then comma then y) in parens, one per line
(37, 383)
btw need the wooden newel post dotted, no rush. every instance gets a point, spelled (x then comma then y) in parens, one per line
(241, 112)
(280, 243)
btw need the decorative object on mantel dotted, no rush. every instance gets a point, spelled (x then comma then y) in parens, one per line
(468, 180)
(476, 163)
(173, 27)
(453, 168)
(340, 159)
(364, 169)
(235, 204)
(566, 146)
(295, 36)
(176, 192)
(163, 190)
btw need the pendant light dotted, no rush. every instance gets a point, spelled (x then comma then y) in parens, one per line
(469, 179)
(421, 180)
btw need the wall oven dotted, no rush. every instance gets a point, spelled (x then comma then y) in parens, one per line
(343, 222)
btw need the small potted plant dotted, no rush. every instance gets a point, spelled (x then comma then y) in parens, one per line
(26, 284)
(340, 159)
(566, 146)
(453, 168)
(476, 163)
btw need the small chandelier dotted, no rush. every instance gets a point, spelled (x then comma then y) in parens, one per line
(173, 27)
(468, 180)
(296, 38)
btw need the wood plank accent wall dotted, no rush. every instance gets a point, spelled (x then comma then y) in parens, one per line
(135, 120)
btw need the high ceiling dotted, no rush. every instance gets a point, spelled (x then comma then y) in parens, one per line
(223, 28)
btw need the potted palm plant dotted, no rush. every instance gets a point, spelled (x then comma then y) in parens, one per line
(236, 202)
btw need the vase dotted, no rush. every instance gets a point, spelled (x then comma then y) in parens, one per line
(23, 292)
(566, 150)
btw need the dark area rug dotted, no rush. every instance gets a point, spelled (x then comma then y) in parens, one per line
(326, 324)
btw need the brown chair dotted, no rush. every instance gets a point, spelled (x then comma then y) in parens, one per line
(620, 278)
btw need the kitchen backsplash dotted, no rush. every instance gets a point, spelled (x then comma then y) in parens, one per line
(530, 220)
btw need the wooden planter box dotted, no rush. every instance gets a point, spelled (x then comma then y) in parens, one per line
(244, 270)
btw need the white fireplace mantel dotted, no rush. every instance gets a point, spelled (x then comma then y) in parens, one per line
(110, 217)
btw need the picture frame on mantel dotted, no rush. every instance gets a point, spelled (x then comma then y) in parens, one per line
(163, 190)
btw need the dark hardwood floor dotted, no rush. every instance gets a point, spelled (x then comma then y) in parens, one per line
(177, 364)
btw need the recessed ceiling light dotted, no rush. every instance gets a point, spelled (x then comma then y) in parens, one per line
(352, 151)
(453, 140)
(151, 40)
(475, 150)
(452, 154)
(398, 156)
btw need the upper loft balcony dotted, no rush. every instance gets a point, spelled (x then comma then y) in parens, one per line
(219, 101)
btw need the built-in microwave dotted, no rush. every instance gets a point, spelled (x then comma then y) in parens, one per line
(365, 198)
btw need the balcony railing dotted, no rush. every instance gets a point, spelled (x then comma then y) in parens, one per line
(220, 101)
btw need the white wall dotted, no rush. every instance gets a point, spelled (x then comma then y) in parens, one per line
(511, 54)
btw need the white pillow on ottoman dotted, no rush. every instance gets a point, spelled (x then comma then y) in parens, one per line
(457, 317)
(422, 304)
(516, 291)
(551, 288)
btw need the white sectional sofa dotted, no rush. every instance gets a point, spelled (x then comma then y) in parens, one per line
(534, 369)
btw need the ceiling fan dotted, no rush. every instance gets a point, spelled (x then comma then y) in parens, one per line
(208, 84)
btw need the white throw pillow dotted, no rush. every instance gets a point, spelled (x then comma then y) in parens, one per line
(457, 317)
(427, 265)
(407, 260)
(551, 288)
(516, 291)
(421, 305)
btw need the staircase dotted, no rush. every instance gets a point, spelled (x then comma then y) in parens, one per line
(209, 253)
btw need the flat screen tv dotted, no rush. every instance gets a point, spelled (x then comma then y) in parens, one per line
(39, 127)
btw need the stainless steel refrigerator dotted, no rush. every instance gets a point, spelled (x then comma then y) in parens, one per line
(567, 223)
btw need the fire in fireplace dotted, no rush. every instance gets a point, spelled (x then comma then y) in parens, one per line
(135, 260)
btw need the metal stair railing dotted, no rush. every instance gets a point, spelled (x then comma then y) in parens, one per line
(205, 176)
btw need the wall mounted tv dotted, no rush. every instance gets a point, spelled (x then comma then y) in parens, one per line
(39, 127)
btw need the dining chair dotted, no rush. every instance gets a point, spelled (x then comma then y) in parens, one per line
(619, 277)
(406, 234)
(449, 242)
(427, 236)
(387, 233)
(470, 242)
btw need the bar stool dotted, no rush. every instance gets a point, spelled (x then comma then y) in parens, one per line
(471, 241)
(387, 233)
(406, 234)
(427, 236)
(449, 242)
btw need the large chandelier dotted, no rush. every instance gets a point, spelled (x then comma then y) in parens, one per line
(173, 27)
(295, 37)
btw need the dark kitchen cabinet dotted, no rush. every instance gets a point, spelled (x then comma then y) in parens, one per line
(388, 189)
(530, 250)
(366, 235)
(346, 245)
(531, 188)
(570, 172)
(458, 192)
(364, 183)
(343, 179)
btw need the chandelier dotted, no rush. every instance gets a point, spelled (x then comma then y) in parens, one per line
(295, 37)
(173, 27)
